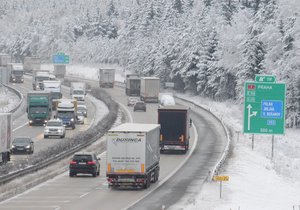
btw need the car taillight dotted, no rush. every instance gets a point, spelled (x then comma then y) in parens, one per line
(73, 162)
(91, 163)
(110, 180)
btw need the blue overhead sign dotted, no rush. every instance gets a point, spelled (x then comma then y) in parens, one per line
(271, 109)
(60, 58)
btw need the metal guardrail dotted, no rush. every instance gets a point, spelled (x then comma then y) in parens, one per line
(19, 94)
(106, 121)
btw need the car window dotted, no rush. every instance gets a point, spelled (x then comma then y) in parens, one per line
(21, 140)
(82, 158)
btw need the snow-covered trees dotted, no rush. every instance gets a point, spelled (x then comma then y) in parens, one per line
(202, 46)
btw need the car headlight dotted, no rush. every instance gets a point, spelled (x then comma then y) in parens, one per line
(28, 146)
(13, 146)
(46, 129)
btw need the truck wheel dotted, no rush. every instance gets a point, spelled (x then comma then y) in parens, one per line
(147, 184)
(73, 127)
(95, 173)
(45, 136)
(71, 174)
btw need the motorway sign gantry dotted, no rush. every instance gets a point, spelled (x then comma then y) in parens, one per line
(60, 58)
(264, 108)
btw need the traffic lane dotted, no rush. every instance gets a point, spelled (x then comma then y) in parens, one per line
(86, 192)
(187, 182)
(101, 197)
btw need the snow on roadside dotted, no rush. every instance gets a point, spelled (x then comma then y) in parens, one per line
(8, 99)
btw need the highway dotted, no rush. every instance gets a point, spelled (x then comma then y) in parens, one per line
(21, 127)
(86, 192)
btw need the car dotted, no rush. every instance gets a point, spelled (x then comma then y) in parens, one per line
(54, 127)
(140, 105)
(82, 108)
(132, 100)
(80, 118)
(84, 163)
(22, 145)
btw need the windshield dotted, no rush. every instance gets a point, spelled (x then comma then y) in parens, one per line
(55, 95)
(42, 78)
(64, 114)
(78, 92)
(37, 110)
(19, 73)
(21, 140)
(54, 123)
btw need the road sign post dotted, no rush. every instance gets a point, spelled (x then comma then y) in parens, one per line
(264, 108)
(221, 179)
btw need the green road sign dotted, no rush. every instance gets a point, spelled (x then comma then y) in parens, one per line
(61, 58)
(265, 78)
(264, 108)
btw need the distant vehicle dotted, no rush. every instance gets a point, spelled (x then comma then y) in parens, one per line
(38, 76)
(66, 110)
(5, 59)
(39, 107)
(78, 91)
(16, 72)
(107, 77)
(82, 109)
(167, 100)
(175, 124)
(31, 63)
(54, 127)
(150, 89)
(84, 163)
(133, 85)
(140, 105)
(80, 118)
(22, 145)
(133, 155)
(5, 133)
(132, 100)
(59, 70)
(54, 87)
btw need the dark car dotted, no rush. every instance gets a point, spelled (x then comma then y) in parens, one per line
(22, 145)
(84, 163)
(140, 105)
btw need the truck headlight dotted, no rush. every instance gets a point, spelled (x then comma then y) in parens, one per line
(13, 146)
(72, 119)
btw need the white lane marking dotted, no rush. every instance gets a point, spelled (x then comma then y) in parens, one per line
(84, 195)
(127, 111)
(57, 208)
(172, 173)
(20, 126)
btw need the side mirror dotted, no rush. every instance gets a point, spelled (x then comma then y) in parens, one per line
(191, 122)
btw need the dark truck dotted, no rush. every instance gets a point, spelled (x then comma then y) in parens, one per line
(175, 124)
(133, 85)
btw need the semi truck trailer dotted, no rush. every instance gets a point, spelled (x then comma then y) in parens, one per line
(133, 85)
(107, 77)
(133, 155)
(150, 89)
(175, 125)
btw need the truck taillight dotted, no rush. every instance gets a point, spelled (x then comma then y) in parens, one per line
(91, 163)
(72, 162)
(181, 138)
(161, 137)
(139, 180)
(110, 180)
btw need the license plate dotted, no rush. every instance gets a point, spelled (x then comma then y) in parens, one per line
(20, 148)
(82, 163)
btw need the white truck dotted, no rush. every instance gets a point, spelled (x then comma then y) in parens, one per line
(107, 77)
(133, 155)
(66, 110)
(78, 91)
(149, 89)
(5, 59)
(38, 76)
(31, 63)
(16, 71)
(54, 87)
(5, 141)
(4, 75)
(59, 70)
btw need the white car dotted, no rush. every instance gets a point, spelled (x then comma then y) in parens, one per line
(54, 127)
(82, 108)
(80, 118)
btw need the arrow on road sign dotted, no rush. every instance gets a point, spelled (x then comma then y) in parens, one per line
(249, 107)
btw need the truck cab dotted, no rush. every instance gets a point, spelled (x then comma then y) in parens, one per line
(66, 111)
(54, 87)
(38, 107)
(16, 72)
(38, 77)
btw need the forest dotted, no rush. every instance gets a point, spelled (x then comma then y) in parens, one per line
(207, 47)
